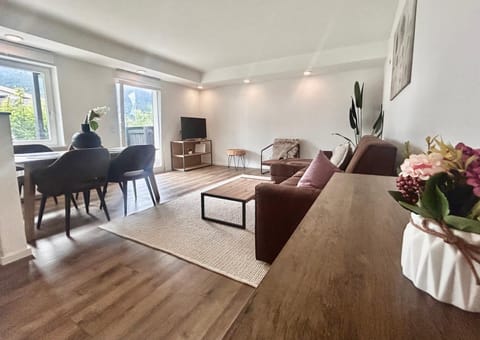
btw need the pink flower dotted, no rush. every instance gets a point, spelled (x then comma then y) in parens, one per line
(422, 166)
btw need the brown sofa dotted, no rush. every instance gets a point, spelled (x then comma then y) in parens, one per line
(281, 207)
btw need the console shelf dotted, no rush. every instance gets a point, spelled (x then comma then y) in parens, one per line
(191, 154)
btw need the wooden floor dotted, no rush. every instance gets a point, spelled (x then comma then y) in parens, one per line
(98, 285)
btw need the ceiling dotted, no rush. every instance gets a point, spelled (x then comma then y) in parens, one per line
(214, 34)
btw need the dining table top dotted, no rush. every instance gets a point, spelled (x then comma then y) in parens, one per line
(24, 158)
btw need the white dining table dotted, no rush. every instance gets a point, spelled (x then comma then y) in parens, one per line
(31, 161)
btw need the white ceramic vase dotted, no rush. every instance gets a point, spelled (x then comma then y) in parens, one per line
(439, 268)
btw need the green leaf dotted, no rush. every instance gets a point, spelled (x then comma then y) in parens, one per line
(397, 196)
(361, 95)
(434, 200)
(93, 125)
(358, 94)
(463, 223)
(416, 209)
(353, 117)
(377, 128)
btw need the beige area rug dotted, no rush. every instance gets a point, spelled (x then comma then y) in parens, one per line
(176, 227)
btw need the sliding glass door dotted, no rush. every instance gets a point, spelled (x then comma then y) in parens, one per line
(139, 115)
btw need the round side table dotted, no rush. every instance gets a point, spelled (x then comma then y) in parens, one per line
(238, 155)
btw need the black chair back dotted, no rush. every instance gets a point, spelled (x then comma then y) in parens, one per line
(133, 158)
(75, 171)
(31, 148)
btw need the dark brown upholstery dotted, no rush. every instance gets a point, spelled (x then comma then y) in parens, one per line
(282, 169)
(281, 207)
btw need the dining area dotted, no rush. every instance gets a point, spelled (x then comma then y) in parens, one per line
(70, 176)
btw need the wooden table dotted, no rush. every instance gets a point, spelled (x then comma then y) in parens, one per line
(32, 161)
(240, 190)
(339, 276)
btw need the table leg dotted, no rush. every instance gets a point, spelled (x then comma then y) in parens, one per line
(202, 198)
(244, 214)
(29, 203)
(153, 182)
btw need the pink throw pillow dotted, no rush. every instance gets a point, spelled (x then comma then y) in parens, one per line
(318, 173)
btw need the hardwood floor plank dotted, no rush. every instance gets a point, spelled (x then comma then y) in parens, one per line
(99, 285)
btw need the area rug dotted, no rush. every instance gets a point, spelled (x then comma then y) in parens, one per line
(176, 227)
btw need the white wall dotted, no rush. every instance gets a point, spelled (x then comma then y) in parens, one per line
(310, 108)
(13, 244)
(83, 86)
(443, 96)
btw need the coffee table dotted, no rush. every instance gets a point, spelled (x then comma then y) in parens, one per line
(239, 190)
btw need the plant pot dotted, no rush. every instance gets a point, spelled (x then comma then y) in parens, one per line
(86, 139)
(439, 268)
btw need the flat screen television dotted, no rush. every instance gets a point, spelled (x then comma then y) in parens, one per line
(193, 128)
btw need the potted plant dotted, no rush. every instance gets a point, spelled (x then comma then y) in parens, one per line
(441, 242)
(355, 117)
(87, 138)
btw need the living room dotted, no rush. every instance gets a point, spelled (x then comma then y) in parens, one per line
(221, 251)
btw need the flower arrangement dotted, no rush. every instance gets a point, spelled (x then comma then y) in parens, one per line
(94, 115)
(443, 185)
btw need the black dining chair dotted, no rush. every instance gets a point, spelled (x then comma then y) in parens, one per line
(29, 148)
(133, 163)
(75, 171)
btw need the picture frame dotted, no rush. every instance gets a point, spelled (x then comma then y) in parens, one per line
(403, 43)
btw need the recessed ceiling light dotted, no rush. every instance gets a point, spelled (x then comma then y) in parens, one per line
(200, 87)
(246, 81)
(307, 73)
(13, 37)
(141, 72)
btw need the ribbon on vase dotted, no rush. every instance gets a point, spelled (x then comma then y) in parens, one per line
(469, 251)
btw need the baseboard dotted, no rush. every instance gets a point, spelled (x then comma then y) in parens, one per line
(14, 256)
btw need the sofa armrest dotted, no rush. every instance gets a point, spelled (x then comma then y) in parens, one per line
(281, 171)
(278, 211)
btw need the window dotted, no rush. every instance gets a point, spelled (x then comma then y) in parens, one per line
(139, 115)
(26, 92)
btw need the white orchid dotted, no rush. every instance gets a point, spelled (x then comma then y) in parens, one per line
(95, 114)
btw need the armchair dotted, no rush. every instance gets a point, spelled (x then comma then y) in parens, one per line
(282, 148)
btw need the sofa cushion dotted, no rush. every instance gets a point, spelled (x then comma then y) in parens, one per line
(293, 180)
(341, 156)
(318, 172)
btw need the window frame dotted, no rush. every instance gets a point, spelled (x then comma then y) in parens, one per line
(157, 114)
(52, 96)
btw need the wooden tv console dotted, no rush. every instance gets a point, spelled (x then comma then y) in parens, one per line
(191, 154)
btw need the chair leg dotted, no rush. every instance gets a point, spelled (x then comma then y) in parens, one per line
(42, 209)
(150, 191)
(68, 198)
(135, 189)
(104, 194)
(55, 199)
(86, 199)
(102, 200)
(20, 185)
(124, 187)
(74, 201)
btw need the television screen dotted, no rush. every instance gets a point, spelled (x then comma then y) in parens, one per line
(193, 127)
